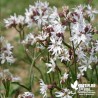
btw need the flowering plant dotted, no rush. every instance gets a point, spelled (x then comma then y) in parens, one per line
(64, 60)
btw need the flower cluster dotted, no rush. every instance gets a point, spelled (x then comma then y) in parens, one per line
(14, 21)
(6, 54)
(6, 76)
(64, 94)
(78, 55)
(44, 88)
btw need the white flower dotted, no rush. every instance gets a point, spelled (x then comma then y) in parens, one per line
(64, 94)
(80, 53)
(78, 37)
(64, 55)
(51, 65)
(82, 68)
(26, 95)
(43, 36)
(10, 59)
(8, 47)
(85, 63)
(20, 20)
(37, 14)
(12, 21)
(41, 5)
(64, 77)
(58, 28)
(6, 74)
(88, 38)
(93, 58)
(43, 88)
(41, 19)
(54, 16)
(79, 75)
(96, 46)
(42, 14)
(79, 9)
(30, 39)
(16, 79)
(56, 46)
(78, 31)
(6, 54)
(91, 12)
(2, 58)
(28, 19)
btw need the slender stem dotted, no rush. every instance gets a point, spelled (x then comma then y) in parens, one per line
(53, 76)
(75, 61)
(58, 78)
(96, 73)
(23, 32)
(21, 85)
(39, 71)
(78, 45)
(37, 67)
(33, 65)
(66, 44)
(29, 58)
(49, 73)
(7, 89)
(58, 69)
(31, 74)
(51, 93)
(19, 33)
(50, 77)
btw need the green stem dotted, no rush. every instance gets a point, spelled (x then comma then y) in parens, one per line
(39, 71)
(19, 34)
(66, 44)
(96, 73)
(7, 90)
(31, 74)
(51, 93)
(78, 45)
(23, 32)
(50, 77)
(6, 84)
(21, 85)
(49, 73)
(58, 78)
(33, 65)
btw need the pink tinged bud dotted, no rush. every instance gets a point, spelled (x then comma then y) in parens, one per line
(50, 86)
(61, 14)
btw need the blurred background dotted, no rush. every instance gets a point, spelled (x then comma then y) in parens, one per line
(9, 7)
